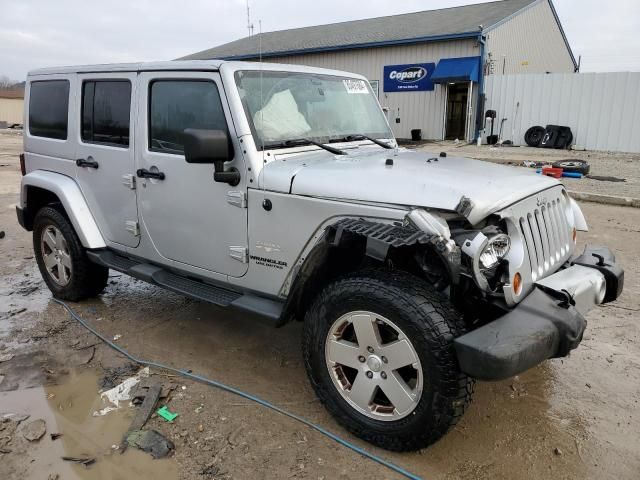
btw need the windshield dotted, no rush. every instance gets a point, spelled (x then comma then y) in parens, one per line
(286, 106)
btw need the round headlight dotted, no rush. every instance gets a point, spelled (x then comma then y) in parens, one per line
(497, 247)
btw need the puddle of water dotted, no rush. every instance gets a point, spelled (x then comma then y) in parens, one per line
(68, 409)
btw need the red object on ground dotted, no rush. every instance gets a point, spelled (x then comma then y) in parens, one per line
(552, 172)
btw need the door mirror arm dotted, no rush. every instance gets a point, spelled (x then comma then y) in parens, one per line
(231, 176)
(211, 146)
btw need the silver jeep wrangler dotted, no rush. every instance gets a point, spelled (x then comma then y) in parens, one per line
(280, 190)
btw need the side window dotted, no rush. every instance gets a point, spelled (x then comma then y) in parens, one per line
(106, 106)
(175, 105)
(48, 109)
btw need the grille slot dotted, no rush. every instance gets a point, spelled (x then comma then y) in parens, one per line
(546, 235)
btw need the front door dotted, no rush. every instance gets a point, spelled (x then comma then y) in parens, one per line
(189, 217)
(105, 165)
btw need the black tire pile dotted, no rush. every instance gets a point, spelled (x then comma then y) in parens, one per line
(551, 136)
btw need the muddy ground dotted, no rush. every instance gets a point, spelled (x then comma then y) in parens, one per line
(577, 417)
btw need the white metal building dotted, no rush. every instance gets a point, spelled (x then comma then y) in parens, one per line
(445, 56)
(11, 106)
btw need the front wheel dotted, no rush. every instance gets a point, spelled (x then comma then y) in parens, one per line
(378, 350)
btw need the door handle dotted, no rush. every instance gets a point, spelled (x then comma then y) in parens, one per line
(144, 173)
(88, 163)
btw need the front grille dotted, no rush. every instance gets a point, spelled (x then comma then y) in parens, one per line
(547, 235)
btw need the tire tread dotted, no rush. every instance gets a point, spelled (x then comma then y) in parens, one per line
(441, 325)
(88, 279)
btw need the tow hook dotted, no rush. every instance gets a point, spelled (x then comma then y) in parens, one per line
(565, 299)
(600, 260)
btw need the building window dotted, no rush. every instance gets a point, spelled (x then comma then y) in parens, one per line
(175, 105)
(106, 110)
(48, 109)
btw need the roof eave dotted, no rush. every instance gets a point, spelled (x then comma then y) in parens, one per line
(566, 41)
(525, 8)
(385, 43)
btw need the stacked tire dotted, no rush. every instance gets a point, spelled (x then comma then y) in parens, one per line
(533, 136)
(551, 136)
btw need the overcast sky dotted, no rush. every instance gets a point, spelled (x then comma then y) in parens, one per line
(40, 33)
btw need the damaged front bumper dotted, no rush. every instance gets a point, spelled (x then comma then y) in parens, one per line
(548, 323)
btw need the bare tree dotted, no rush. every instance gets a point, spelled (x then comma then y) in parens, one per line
(6, 83)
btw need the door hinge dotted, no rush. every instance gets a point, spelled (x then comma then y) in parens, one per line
(133, 227)
(129, 180)
(237, 198)
(239, 253)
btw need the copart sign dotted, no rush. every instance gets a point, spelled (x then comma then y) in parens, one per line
(412, 77)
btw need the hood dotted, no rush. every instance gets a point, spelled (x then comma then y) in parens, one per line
(413, 180)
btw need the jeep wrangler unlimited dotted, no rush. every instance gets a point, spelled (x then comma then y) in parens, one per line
(280, 190)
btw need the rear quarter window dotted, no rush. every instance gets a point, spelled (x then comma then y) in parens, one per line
(49, 108)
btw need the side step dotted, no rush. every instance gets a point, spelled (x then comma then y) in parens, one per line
(188, 286)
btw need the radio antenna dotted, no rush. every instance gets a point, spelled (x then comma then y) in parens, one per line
(249, 24)
(264, 162)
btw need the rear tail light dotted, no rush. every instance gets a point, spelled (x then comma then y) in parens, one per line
(23, 167)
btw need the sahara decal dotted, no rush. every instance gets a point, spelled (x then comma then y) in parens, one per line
(269, 262)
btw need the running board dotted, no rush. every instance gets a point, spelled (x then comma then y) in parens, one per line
(188, 286)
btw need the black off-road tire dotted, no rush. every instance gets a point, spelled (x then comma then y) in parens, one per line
(87, 278)
(429, 323)
(533, 136)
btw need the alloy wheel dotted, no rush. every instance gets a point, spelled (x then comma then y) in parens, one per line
(56, 255)
(374, 366)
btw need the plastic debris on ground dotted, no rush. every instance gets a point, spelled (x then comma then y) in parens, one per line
(530, 164)
(166, 414)
(120, 393)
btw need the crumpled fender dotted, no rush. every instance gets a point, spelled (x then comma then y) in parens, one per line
(68, 191)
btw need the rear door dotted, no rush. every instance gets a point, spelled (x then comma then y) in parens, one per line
(105, 155)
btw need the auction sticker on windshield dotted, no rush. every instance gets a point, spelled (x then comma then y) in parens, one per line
(355, 86)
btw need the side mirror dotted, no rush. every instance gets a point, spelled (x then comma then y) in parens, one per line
(210, 146)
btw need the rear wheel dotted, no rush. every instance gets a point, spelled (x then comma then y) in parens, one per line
(378, 351)
(62, 259)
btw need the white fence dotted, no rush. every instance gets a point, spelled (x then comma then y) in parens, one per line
(602, 109)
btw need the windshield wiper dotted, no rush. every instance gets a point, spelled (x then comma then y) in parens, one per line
(307, 141)
(351, 138)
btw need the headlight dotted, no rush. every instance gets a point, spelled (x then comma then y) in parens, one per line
(497, 247)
